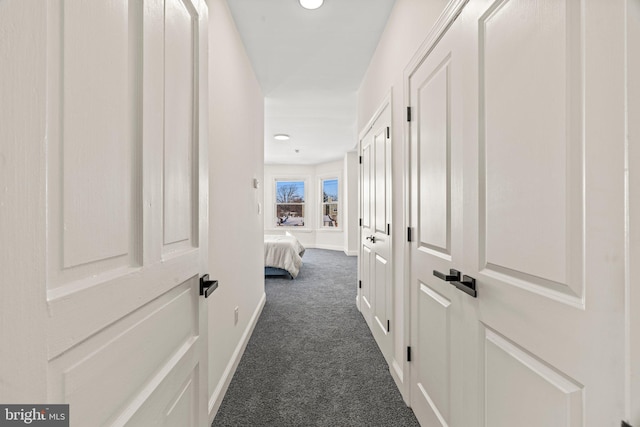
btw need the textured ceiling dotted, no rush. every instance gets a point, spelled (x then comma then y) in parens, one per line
(310, 65)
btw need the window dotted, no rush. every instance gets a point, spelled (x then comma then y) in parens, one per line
(329, 203)
(289, 203)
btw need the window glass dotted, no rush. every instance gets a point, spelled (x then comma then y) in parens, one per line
(290, 203)
(329, 204)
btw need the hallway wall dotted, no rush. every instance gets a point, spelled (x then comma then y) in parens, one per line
(236, 225)
(408, 26)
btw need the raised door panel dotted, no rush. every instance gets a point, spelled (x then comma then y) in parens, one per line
(433, 364)
(366, 293)
(434, 166)
(179, 127)
(381, 284)
(93, 185)
(381, 175)
(531, 146)
(367, 186)
(546, 397)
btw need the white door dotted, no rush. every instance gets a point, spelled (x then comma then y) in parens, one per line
(125, 126)
(437, 329)
(536, 200)
(375, 248)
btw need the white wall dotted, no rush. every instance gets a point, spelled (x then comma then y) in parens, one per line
(236, 226)
(351, 197)
(408, 26)
(312, 235)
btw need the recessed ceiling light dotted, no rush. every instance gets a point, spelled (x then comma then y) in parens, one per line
(281, 136)
(311, 4)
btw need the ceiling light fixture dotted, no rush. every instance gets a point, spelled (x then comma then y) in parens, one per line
(281, 136)
(311, 4)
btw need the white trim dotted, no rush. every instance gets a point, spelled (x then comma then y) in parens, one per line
(350, 253)
(328, 247)
(218, 394)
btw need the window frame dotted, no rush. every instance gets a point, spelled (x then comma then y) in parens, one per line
(322, 203)
(304, 204)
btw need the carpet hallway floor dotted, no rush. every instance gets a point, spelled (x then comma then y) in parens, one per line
(312, 360)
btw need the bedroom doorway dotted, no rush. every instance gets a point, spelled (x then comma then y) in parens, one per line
(376, 271)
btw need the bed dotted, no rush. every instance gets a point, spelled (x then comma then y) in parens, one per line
(282, 255)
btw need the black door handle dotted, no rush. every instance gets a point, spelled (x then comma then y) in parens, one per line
(372, 238)
(453, 275)
(207, 286)
(467, 285)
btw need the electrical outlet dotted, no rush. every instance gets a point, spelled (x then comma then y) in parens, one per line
(235, 315)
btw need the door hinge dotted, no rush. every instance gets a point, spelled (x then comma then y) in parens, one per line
(388, 132)
(360, 222)
(359, 284)
(360, 159)
(388, 325)
(388, 229)
(408, 354)
(408, 114)
(625, 424)
(409, 236)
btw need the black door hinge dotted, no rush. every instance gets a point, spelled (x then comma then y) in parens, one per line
(388, 132)
(409, 236)
(388, 229)
(360, 222)
(408, 114)
(360, 284)
(408, 354)
(388, 325)
(360, 159)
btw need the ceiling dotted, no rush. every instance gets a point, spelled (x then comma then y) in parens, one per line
(310, 64)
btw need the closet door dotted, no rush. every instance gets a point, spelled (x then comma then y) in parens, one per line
(438, 334)
(375, 253)
(544, 210)
(530, 204)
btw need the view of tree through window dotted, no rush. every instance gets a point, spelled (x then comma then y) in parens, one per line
(290, 203)
(329, 202)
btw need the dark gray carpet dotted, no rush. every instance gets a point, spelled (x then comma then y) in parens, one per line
(312, 360)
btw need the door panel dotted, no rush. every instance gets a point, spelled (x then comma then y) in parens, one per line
(125, 330)
(546, 398)
(178, 125)
(434, 160)
(515, 148)
(433, 356)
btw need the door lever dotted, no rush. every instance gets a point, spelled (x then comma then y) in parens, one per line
(454, 275)
(372, 238)
(207, 286)
(467, 285)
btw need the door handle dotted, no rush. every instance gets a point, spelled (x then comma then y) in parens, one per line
(207, 286)
(372, 238)
(467, 285)
(454, 275)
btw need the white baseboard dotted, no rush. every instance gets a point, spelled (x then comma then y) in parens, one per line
(350, 253)
(329, 247)
(218, 394)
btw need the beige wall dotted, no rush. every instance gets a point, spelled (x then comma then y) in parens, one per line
(235, 232)
(408, 26)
